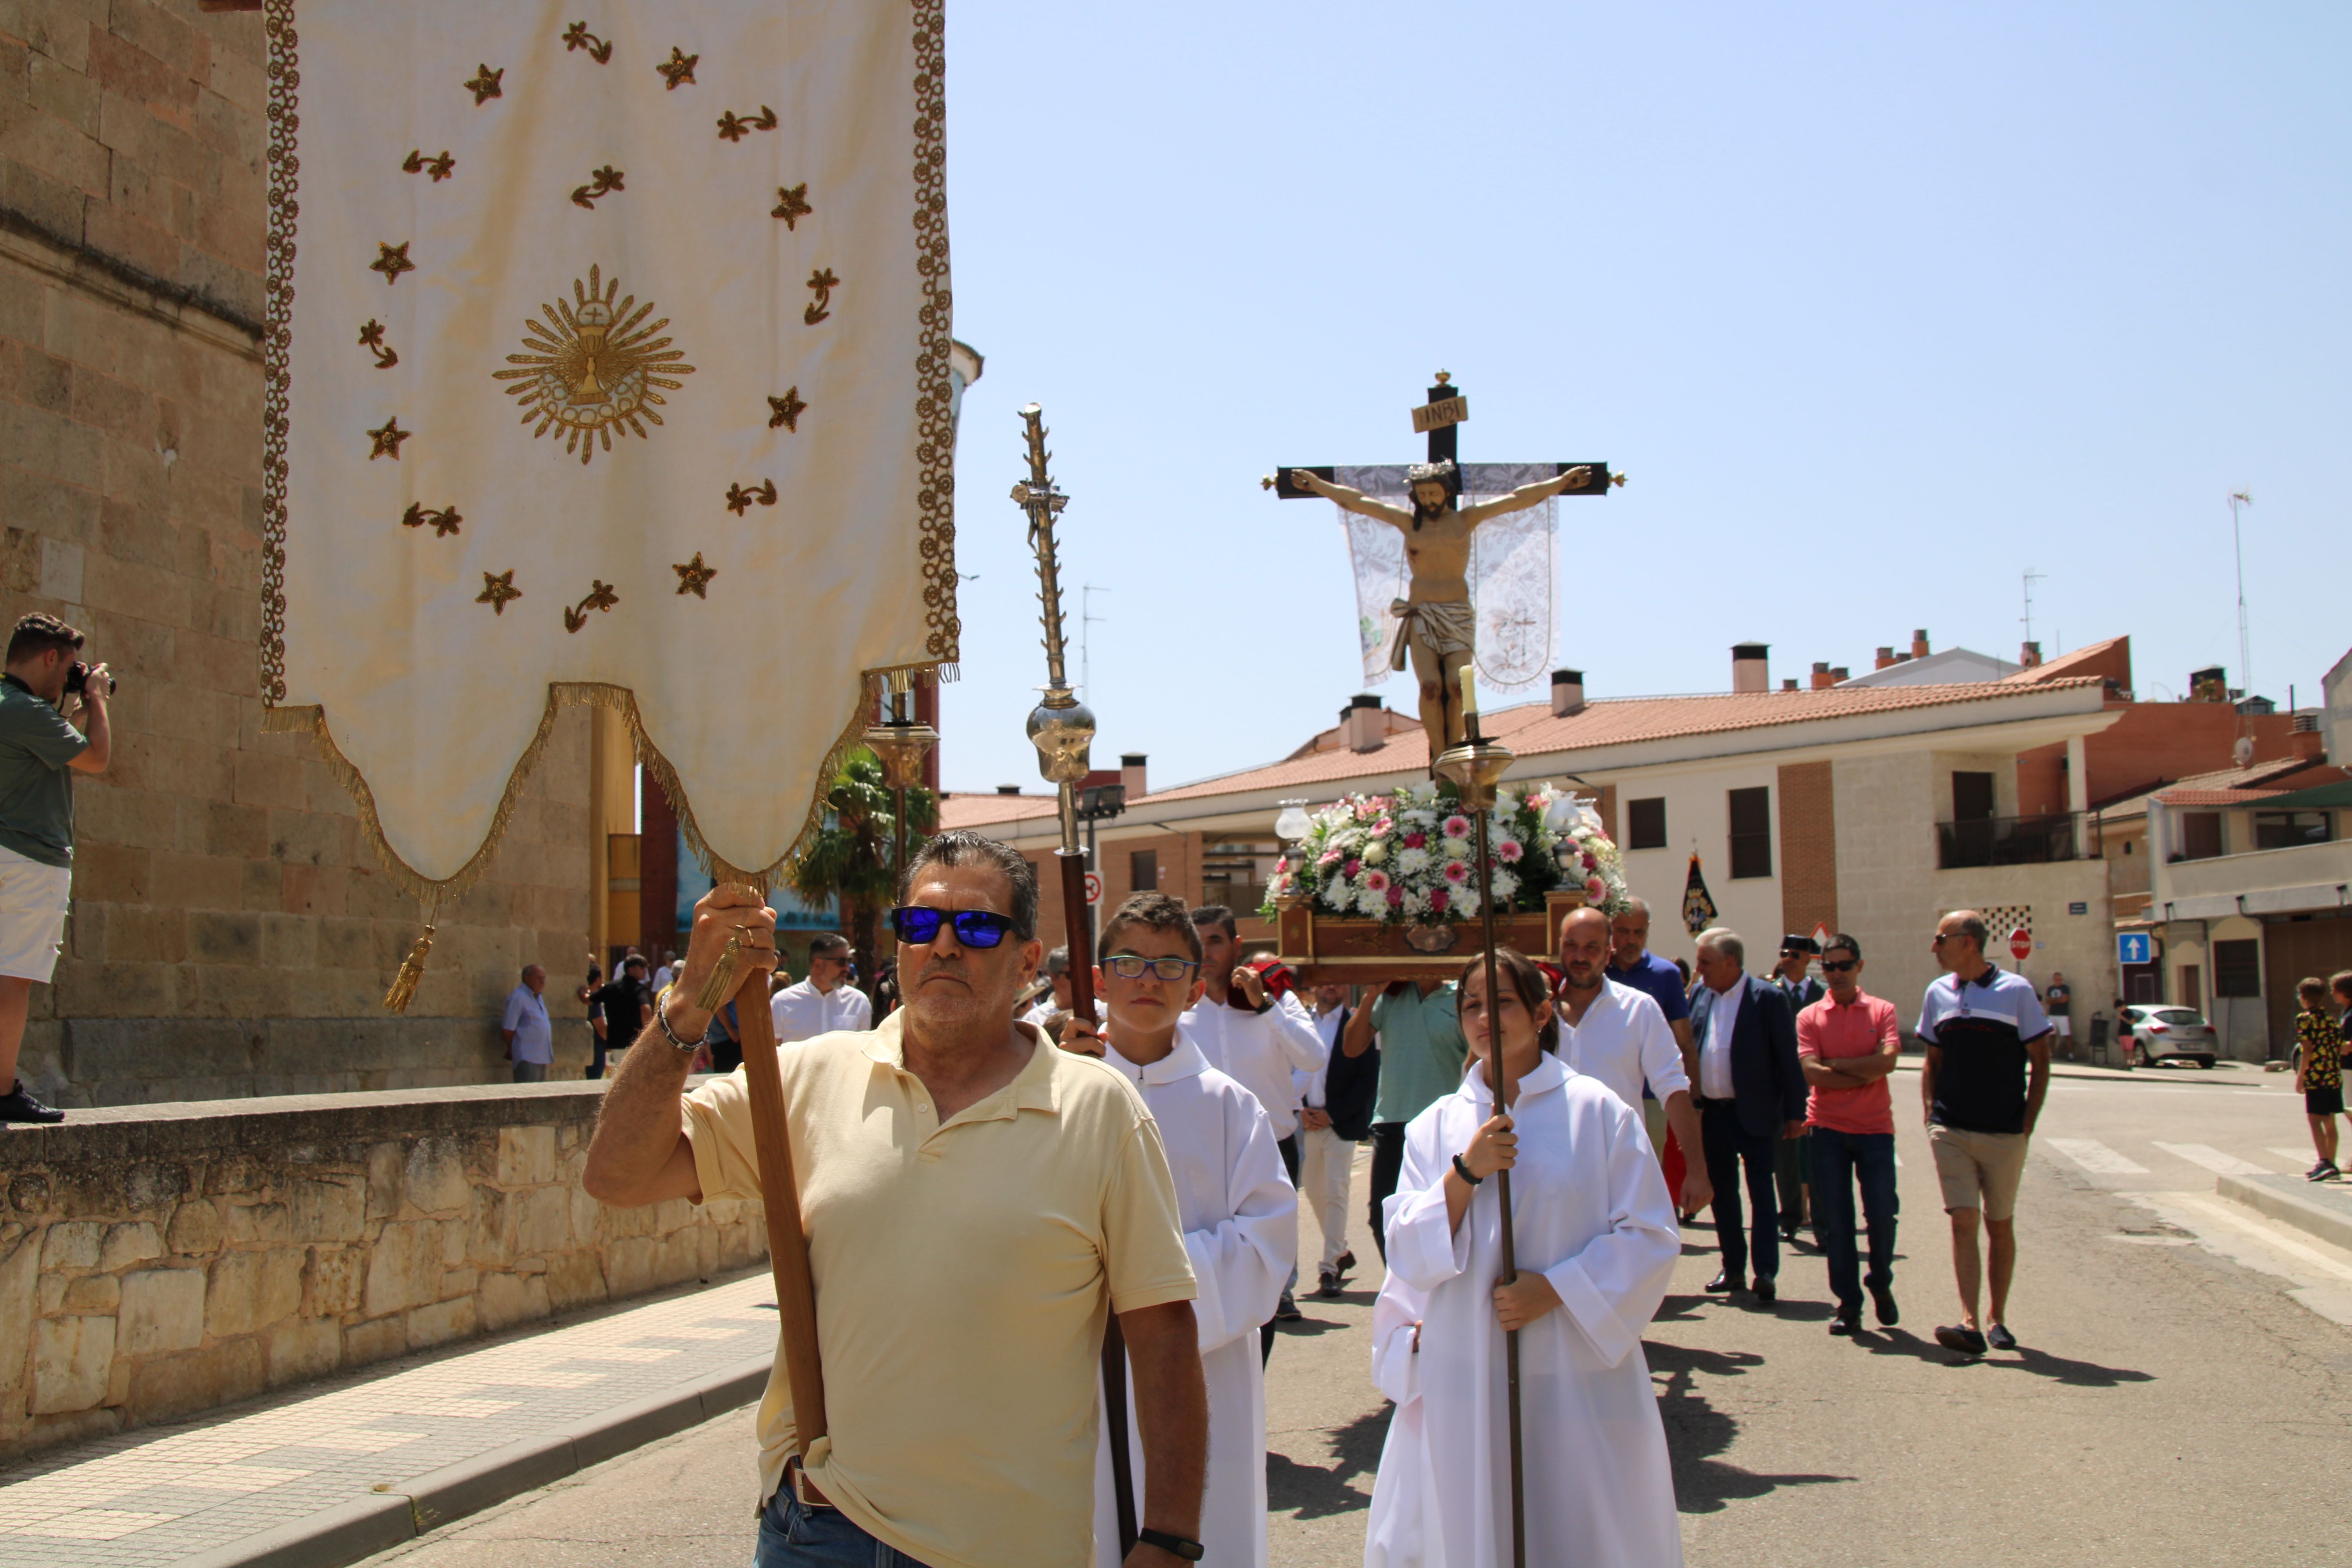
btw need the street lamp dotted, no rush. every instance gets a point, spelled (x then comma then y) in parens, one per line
(1294, 824)
(1099, 803)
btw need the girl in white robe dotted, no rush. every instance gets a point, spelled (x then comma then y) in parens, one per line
(1596, 1247)
(1239, 1212)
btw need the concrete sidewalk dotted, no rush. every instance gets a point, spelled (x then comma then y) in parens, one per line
(2322, 1209)
(331, 1474)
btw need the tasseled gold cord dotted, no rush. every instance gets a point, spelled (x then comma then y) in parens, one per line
(412, 970)
(719, 989)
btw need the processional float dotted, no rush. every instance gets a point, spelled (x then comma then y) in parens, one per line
(1469, 575)
(608, 365)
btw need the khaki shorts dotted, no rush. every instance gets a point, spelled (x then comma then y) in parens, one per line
(33, 902)
(1979, 1170)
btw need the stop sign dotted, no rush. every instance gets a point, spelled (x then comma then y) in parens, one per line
(2020, 944)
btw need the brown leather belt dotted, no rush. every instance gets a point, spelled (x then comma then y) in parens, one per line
(804, 1490)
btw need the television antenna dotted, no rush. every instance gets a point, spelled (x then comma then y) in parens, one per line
(2031, 577)
(2237, 500)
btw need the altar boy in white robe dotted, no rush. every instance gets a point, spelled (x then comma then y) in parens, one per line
(1597, 1243)
(1239, 1210)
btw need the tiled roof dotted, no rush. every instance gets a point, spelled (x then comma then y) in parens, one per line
(2222, 781)
(2216, 796)
(1532, 730)
(2064, 666)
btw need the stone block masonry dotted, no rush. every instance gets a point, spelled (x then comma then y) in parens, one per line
(231, 932)
(177, 1257)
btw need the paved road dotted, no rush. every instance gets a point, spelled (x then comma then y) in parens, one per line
(2184, 1395)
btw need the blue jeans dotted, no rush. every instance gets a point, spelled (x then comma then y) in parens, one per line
(1839, 1160)
(794, 1537)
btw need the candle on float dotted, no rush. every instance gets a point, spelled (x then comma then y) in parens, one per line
(1469, 689)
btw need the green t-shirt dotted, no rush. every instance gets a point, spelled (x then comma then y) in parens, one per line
(1422, 1051)
(35, 783)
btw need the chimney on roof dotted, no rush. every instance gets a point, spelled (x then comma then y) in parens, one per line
(1919, 643)
(1839, 674)
(1789, 684)
(1749, 668)
(1008, 789)
(2210, 684)
(1366, 728)
(2030, 656)
(1567, 693)
(1130, 775)
(1822, 678)
(1886, 660)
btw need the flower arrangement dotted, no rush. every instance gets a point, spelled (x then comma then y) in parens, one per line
(1411, 858)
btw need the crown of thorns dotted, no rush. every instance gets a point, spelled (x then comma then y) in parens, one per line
(1443, 473)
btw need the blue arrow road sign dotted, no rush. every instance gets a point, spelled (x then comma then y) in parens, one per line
(2133, 947)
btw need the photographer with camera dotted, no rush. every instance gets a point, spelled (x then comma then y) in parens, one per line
(44, 689)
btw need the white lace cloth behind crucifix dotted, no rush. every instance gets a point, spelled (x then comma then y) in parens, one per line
(1511, 572)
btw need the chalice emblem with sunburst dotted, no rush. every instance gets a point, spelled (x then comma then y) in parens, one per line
(596, 366)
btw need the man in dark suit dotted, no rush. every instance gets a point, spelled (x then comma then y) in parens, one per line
(1751, 1095)
(1335, 1114)
(1792, 1163)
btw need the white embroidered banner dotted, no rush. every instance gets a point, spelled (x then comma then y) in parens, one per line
(609, 359)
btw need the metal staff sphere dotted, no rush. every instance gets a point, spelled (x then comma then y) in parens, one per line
(1476, 766)
(1062, 731)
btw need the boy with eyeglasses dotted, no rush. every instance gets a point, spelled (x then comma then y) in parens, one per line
(1239, 1210)
(1846, 1045)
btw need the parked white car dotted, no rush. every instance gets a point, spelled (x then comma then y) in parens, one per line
(2160, 1033)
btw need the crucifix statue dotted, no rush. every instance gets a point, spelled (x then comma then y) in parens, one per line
(1437, 626)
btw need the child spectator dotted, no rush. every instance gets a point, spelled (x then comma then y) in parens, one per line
(2319, 1075)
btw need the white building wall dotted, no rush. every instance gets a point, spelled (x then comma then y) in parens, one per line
(1699, 816)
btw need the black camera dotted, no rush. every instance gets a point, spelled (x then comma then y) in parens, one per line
(78, 679)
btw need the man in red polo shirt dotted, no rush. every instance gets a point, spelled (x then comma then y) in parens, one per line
(1846, 1045)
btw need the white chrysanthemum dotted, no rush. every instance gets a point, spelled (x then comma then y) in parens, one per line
(1375, 904)
(1416, 903)
(1506, 884)
(1413, 862)
(1335, 893)
(1456, 848)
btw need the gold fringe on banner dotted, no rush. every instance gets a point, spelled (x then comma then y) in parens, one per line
(311, 719)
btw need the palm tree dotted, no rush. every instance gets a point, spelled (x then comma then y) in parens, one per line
(850, 858)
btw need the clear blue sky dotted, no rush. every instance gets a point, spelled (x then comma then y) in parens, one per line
(1878, 307)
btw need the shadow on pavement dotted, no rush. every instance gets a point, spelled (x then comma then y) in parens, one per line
(2074, 1373)
(1696, 1431)
(1316, 1493)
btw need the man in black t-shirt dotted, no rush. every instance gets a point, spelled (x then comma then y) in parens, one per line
(619, 1010)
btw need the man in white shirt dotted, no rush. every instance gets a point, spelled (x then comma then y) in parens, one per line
(1326, 1156)
(1620, 1036)
(531, 1039)
(824, 1002)
(1256, 1039)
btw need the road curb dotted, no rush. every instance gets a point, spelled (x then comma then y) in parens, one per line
(350, 1531)
(2289, 1207)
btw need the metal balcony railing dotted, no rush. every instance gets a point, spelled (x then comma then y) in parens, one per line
(2017, 841)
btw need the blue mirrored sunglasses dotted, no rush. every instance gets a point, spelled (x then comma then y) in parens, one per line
(916, 925)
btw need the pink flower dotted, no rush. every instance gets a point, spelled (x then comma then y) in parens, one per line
(1396, 895)
(1283, 863)
(1416, 840)
(1381, 828)
(1350, 868)
(1456, 826)
(1457, 872)
(1508, 851)
(1437, 900)
(1376, 881)
(1330, 857)
(1590, 864)
(1595, 888)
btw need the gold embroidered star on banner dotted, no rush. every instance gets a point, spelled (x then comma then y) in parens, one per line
(445, 521)
(792, 205)
(498, 591)
(694, 576)
(786, 411)
(388, 440)
(679, 68)
(392, 261)
(485, 84)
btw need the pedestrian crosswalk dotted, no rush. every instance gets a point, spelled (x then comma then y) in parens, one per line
(2163, 1159)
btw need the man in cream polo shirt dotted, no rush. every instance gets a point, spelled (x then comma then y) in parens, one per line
(976, 1202)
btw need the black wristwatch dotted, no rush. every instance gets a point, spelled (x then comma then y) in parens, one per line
(1190, 1551)
(1463, 1170)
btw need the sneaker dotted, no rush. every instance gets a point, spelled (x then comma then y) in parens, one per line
(1883, 1297)
(1999, 1338)
(2313, 1173)
(1963, 1338)
(2326, 1172)
(18, 1105)
(1287, 1310)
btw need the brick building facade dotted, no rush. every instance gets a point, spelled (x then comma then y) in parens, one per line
(231, 932)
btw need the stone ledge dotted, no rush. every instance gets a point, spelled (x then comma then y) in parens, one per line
(212, 1128)
(2324, 1212)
